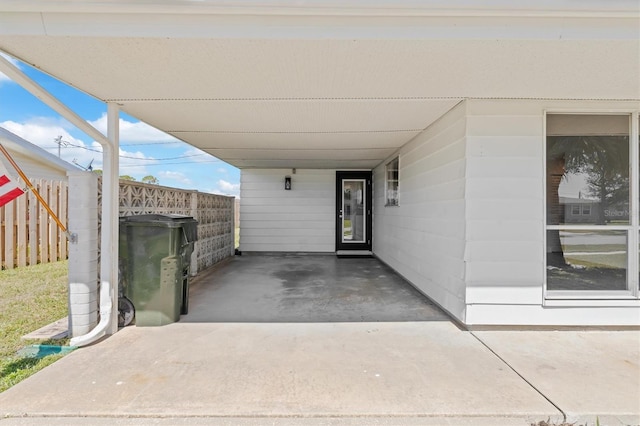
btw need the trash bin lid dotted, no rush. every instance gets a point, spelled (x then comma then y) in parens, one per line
(169, 220)
(188, 224)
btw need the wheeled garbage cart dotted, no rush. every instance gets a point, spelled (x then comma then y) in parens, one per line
(155, 255)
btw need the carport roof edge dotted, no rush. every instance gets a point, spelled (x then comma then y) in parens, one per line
(565, 8)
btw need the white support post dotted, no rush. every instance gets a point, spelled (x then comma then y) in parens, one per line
(110, 213)
(83, 252)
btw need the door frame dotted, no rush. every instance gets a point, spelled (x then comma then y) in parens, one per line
(348, 175)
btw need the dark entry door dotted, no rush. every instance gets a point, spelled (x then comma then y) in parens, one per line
(353, 211)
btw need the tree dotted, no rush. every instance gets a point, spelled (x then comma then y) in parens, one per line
(150, 179)
(97, 171)
(127, 177)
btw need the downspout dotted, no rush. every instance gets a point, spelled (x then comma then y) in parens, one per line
(109, 234)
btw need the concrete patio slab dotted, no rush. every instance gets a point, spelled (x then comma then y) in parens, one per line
(306, 288)
(590, 375)
(353, 370)
(315, 340)
(56, 330)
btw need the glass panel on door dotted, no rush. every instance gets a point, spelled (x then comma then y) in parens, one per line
(353, 211)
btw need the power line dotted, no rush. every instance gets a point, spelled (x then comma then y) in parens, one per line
(137, 158)
(152, 143)
(162, 159)
(136, 144)
(165, 164)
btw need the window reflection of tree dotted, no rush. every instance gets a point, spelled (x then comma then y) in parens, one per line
(603, 161)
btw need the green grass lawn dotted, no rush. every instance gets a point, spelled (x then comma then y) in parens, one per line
(609, 260)
(593, 247)
(30, 297)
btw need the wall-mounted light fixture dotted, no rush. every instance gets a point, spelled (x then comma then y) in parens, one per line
(287, 183)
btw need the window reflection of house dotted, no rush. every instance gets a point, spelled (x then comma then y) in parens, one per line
(579, 210)
(582, 210)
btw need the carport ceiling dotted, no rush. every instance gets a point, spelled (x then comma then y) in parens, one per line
(312, 86)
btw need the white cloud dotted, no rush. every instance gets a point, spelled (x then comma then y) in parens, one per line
(228, 188)
(222, 170)
(199, 156)
(43, 132)
(3, 77)
(175, 176)
(134, 131)
(134, 163)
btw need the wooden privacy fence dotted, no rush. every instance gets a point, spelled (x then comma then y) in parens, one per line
(28, 235)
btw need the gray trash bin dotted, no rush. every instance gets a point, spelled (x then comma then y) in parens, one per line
(155, 254)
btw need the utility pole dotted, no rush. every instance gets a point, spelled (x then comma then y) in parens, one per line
(58, 140)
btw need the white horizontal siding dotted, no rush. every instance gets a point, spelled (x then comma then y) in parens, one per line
(307, 200)
(502, 107)
(32, 168)
(262, 209)
(505, 199)
(506, 219)
(514, 314)
(423, 238)
(299, 220)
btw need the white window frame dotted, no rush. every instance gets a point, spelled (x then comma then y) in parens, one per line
(387, 181)
(604, 297)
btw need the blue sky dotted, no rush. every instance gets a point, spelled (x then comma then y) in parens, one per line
(144, 150)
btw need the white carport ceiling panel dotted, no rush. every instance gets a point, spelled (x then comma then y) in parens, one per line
(291, 115)
(124, 68)
(279, 141)
(307, 164)
(307, 154)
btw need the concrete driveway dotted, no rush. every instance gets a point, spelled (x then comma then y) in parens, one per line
(414, 372)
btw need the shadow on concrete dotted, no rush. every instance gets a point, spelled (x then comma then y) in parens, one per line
(306, 288)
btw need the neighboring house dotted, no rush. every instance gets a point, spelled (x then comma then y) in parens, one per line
(584, 210)
(435, 135)
(580, 210)
(35, 162)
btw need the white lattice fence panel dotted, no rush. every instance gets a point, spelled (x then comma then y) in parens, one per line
(214, 213)
(140, 198)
